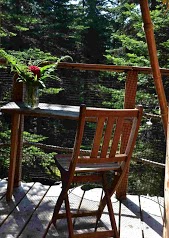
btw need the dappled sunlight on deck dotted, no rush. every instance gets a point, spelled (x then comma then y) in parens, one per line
(31, 208)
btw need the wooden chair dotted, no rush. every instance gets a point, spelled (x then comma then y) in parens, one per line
(104, 156)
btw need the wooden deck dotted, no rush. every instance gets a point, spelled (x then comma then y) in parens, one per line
(30, 210)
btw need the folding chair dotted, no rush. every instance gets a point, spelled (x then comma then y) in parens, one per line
(104, 156)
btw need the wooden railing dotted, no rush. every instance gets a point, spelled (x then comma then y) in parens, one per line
(129, 99)
(113, 68)
(129, 102)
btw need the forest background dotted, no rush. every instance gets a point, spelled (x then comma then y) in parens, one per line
(90, 31)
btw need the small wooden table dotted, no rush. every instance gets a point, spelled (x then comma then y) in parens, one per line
(18, 111)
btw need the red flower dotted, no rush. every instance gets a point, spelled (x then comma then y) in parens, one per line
(35, 70)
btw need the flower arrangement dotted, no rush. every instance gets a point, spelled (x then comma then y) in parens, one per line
(30, 73)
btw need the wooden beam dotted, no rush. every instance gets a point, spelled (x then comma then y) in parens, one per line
(103, 67)
(17, 96)
(113, 68)
(149, 31)
(166, 191)
(129, 102)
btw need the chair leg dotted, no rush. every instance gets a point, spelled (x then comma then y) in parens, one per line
(98, 217)
(58, 205)
(103, 202)
(78, 209)
(46, 231)
(69, 217)
(110, 208)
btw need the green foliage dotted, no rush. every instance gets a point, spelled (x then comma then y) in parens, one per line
(50, 91)
(26, 72)
(34, 158)
(141, 180)
(116, 97)
(33, 138)
(129, 47)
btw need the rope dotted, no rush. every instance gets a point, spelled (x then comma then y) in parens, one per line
(83, 152)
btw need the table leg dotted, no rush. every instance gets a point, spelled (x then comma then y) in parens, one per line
(13, 154)
(18, 167)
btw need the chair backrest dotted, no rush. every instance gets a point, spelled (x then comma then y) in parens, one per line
(108, 126)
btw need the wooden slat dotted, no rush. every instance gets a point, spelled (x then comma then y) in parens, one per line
(126, 113)
(107, 137)
(117, 158)
(97, 167)
(130, 221)
(151, 217)
(98, 137)
(116, 138)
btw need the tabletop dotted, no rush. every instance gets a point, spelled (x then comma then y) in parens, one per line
(43, 109)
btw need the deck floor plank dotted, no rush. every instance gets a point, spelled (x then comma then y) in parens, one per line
(23, 210)
(151, 217)
(130, 220)
(94, 195)
(161, 205)
(43, 214)
(91, 201)
(8, 207)
(3, 186)
(31, 208)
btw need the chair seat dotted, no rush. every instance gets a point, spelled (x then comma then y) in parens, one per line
(63, 163)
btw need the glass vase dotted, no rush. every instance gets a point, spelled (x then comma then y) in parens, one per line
(31, 99)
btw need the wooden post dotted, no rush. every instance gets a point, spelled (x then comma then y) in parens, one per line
(129, 102)
(18, 97)
(148, 27)
(166, 190)
(13, 155)
(149, 31)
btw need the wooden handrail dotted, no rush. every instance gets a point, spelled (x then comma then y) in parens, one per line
(104, 67)
(113, 68)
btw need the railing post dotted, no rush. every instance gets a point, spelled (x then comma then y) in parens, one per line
(17, 96)
(166, 189)
(129, 102)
